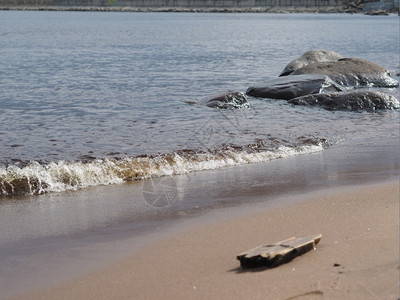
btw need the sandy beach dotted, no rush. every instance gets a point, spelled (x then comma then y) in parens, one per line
(358, 257)
(113, 186)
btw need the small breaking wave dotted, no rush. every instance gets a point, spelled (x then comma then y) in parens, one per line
(36, 179)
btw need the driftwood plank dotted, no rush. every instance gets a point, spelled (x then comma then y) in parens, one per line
(273, 255)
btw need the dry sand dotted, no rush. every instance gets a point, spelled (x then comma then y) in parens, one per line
(358, 257)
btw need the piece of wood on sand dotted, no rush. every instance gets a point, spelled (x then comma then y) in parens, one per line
(273, 255)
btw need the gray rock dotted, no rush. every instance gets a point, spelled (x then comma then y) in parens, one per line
(351, 72)
(353, 101)
(289, 87)
(231, 100)
(310, 57)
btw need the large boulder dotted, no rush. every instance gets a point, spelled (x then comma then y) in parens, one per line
(231, 100)
(351, 72)
(310, 57)
(289, 87)
(354, 100)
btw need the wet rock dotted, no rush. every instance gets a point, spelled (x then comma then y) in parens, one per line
(289, 87)
(355, 100)
(310, 57)
(351, 72)
(231, 100)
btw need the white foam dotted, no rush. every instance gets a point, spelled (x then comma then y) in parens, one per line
(62, 176)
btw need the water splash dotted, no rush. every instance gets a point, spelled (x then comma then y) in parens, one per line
(35, 179)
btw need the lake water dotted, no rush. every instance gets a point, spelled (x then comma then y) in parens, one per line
(92, 98)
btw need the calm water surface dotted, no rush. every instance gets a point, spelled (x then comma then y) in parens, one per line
(78, 86)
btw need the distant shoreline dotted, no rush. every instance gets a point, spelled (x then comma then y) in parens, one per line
(335, 9)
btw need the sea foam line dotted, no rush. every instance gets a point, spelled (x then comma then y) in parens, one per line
(63, 176)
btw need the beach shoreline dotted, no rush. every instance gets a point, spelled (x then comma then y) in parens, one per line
(93, 229)
(357, 256)
(177, 236)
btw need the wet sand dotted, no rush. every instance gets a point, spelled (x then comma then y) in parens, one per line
(358, 257)
(107, 241)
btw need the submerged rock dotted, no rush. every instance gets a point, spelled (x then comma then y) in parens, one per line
(231, 100)
(351, 72)
(352, 101)
(290, 87)
(309, 57)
